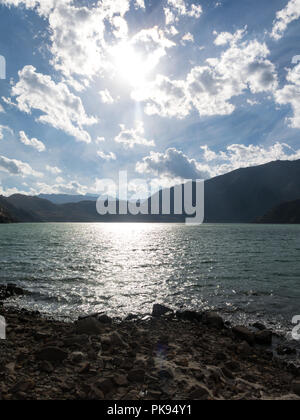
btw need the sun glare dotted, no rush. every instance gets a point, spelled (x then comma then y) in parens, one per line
(130, 65)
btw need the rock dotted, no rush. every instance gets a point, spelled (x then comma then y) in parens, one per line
(160, 310)
(189, 316)
(166, 373)
(120, 380)
(212, 319)
(84, 368)
(244, 333)
(105, 385)
(200, 392)
(89, 326)
(52, 354)
(131, 317)
(259, 326)
(296, 387)
(286, 351)
(244, 348)
(46, 367)
(264, 337)
(77, 357)
(136, 375)
(104, 319)
(13, 290)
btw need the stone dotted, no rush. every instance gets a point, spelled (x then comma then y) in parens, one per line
(200, 392)
(46, 367)
(77, 357)
(105, 385)
(244, 333)
(136, 375)
(259, 326)
(120, 380)
(52, 354)
(104, 319)
(89, 326)
(286, 351)
(117, 340)
(191, 316)
(296, 387)
(214, 320)
(160, 310)
(264, 337)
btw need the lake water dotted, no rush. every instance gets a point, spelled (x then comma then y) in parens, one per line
(247, 272)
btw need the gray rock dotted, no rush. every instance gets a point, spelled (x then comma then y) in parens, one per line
(77, 357)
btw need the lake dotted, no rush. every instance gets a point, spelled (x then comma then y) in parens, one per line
(247, 272)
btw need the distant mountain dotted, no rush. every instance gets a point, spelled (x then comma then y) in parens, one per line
(241, 196)
(284, 213)
(65, 198)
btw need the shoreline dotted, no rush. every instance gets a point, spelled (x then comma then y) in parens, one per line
(167, 356)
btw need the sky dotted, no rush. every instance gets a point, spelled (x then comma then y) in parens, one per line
(166, 90)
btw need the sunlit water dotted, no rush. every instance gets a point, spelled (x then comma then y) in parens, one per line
(248, 272)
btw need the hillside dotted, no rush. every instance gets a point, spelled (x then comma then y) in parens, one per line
(284, 213)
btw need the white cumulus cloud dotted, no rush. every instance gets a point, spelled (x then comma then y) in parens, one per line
(284, 17)
(35, 143)
(134, 136)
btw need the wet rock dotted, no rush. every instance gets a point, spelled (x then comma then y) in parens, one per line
(244, 333)
(52, 354)
(160, 310)
(212, 319)
(104, 319)
(131, 317)
(89, 326)
(264, 337)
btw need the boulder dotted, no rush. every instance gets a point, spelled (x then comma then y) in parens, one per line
(244, 334)
(160, 310)
(264, 337)
(51, 354)
(89, 326)
(259, 326)
(212, 319)
(105, 385)
(189, 316)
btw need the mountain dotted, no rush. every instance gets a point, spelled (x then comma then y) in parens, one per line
(241, 196)
(284, 213)
(5, 217)
(245, 194)
(65, 198)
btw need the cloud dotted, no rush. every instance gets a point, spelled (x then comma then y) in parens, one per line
(16, 167)
(210, 88)
(172, 163)
(284, 17)
(35, 143)
(225, 38)
(188, 37)
(42, 7)
(290, 95)
(240, 156)
(135, 136)
(178, 8)
(106, 97)
(1, 109)
(106, 156)
(53, 170)
(4, 128)
(60, 108)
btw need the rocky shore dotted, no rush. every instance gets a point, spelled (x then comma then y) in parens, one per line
(166, 356)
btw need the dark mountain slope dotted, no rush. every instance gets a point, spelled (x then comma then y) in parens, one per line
(245, 194)
(284, 213)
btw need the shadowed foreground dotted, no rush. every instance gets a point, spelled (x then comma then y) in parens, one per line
(161, 358)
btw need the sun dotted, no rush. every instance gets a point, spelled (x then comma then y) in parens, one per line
(131, 66)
